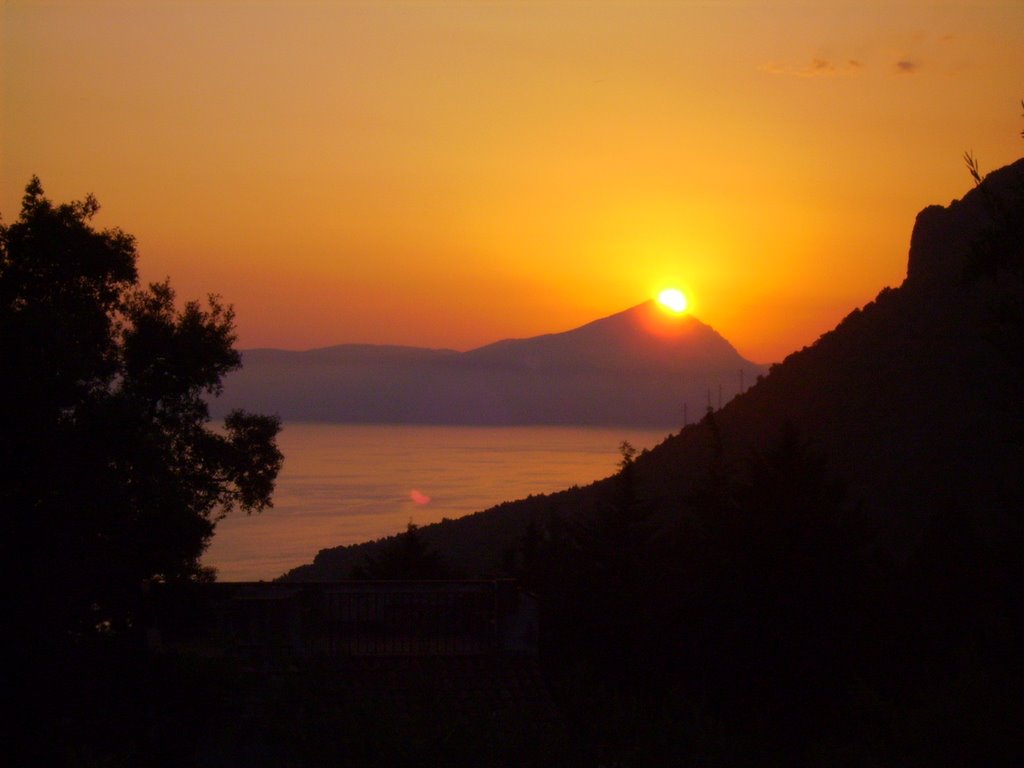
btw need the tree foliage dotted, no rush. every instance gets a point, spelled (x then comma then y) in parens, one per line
(110, 472)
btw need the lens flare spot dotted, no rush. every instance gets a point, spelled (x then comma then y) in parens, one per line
(418, 497)
(673, 300)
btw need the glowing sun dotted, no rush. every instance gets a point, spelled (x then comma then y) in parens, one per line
(673, 300)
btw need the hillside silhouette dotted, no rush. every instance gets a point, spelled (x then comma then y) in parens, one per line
(914, 397)
(640, 367)
(825, 571)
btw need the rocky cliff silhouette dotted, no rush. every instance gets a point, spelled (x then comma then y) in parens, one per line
(640, 367)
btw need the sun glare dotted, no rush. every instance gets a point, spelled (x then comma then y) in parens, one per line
(673, 300)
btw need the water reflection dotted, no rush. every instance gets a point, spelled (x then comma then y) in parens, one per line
(345, 484)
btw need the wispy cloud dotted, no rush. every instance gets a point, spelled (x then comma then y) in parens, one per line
(817, 67)
(826, 67)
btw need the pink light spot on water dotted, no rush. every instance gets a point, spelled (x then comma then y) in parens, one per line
(418, 497)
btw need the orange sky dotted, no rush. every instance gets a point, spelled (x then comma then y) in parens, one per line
(450, 173)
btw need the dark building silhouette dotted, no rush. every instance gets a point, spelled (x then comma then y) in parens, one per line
(465, 647)
(270, 623)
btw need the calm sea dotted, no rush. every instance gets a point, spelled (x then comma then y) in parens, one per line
(344, 484)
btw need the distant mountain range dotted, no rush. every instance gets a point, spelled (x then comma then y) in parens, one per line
(640, 367)
(915, 400)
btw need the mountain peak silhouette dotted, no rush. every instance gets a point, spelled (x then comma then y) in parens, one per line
(639, 367)
(639, 338)
(946, 240)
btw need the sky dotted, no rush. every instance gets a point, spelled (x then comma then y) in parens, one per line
(447, 174)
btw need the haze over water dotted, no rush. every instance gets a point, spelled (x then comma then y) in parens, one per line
(344, 484)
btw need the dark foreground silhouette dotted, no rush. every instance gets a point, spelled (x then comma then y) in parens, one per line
(111, 475)
(826, 571)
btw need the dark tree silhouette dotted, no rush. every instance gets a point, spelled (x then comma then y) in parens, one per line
(404, 556)
(110, 474)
